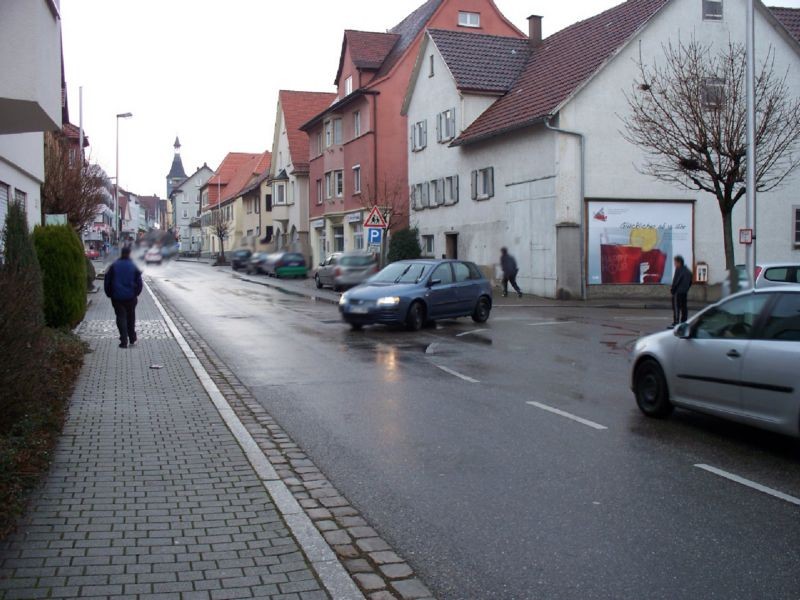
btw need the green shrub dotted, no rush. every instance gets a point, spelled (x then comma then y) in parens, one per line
(21, 318)
(404, 245)
(63, 265)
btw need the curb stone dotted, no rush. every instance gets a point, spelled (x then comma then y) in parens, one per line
(333, 516)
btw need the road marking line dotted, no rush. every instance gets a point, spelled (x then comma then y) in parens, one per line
(471, 332)
(751, 484)
(456, 374)
(556, 411)
(322, 557)
(548, 323)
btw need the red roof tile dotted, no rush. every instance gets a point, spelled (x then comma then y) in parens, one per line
(299, 107)
(789, 18)
(559, 66)
(218, 184)
(250, 169)
(368, 49)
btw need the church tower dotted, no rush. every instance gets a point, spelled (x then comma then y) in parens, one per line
(176, 174)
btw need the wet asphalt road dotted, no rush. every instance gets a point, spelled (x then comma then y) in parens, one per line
(488, 496)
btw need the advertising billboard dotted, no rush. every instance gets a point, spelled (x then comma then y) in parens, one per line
(634, 243)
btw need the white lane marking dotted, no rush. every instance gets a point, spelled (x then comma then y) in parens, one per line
(556, 411)
(471, 332)
(548, 323)
(332, 573)
(750, 484)
(456, 374)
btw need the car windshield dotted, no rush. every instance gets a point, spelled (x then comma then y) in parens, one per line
(402, 273)
(356, 261)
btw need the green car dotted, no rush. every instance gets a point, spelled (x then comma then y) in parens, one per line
(286, 264)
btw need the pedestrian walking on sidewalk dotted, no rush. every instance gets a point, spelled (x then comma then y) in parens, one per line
(681, 282)
(123, 284)
(510, 270)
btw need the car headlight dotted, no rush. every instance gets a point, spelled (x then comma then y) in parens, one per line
(343, 300)
(389, 301)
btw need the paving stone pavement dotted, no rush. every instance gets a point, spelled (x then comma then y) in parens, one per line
(149, 494)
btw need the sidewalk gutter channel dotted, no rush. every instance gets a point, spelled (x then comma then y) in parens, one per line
(328, 568)
(286, 290)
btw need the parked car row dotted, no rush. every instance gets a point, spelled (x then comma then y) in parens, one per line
(275, 264)
(343, 270)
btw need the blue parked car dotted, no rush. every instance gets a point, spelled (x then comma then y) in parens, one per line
(416, 292)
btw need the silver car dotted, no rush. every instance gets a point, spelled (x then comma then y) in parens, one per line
(737, 359)
(777, 274)
(345, 270)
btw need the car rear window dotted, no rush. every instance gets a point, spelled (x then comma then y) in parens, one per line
(294, 257)
(780, 274)
(783, 323)
(356, 261)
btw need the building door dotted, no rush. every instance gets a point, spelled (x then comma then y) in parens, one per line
(451, 245)
(338, 239)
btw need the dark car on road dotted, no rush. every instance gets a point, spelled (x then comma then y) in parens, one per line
(285, 264)
(416, 292)
(240, 258)
(257, 263)
(345, 270)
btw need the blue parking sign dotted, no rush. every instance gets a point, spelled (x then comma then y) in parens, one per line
(374, 237)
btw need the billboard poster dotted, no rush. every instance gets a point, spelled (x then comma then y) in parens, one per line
(632, 243)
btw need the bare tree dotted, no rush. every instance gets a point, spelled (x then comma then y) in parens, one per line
(689, 116)
(72, 185)
(391, 197)
(222, 229)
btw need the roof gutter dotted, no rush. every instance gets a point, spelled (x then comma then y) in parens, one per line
(582, 140)
(336, 106)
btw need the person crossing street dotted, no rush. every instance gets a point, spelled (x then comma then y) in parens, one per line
(509, 265)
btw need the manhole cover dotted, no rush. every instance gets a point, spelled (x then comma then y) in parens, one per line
(102, 329)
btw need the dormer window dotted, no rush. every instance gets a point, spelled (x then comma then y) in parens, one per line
(469, 19)
(348, 86)
(712, 10)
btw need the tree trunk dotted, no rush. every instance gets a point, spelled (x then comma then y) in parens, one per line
(727, 233)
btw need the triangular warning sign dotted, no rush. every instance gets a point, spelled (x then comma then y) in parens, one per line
(375, 219)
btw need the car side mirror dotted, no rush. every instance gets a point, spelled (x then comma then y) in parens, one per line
(683, 331)
(434, 282)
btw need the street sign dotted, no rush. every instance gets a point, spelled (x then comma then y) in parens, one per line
(374, 236)
(375, 219)
(746, 236)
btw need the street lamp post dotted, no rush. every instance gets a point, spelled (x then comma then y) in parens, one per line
(117, 228)
(751, 142)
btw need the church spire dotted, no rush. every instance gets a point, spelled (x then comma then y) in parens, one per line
(177, 145)
(176, 175)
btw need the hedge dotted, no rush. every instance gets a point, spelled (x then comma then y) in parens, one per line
(63, 263)
(404, 245)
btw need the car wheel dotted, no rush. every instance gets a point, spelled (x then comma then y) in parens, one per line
(416, 317)
(482, 311)
(337, 288)
(652, 393)
(317, 282)
(356, 326)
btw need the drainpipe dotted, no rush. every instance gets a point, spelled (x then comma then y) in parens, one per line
(582, 140)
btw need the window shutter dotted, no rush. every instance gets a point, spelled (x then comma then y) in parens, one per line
(426, 194)
(474, 185)
(442, 192)
(456, 189)
(425, 133)
(451, 127)
(439, 127)
(413, 137)
(490, 191)
(413, 197)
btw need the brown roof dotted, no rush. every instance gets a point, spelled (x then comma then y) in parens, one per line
(73, 133)
(789, 18)
(559, 66)
(299, 107)
(223, 175)
(408, 29)
(248, 170)
(368, 49)
(487, 63)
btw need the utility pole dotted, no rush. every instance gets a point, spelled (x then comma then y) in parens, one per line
(751, 142)
(117, 227)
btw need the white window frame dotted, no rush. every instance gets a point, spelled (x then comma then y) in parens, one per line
(713, 92)
(338, 183)
(337, 237)
(419, 135)
(185, 214)
(437, 193)
(357, 124)
(713, 10)
(280, 194)
(483, 183)
(329, 185)
(358, 236)
(20, 197)
(421, 196)
(348, 85)
(446, 125)
(469, 19)
(337, 132)
(319, 191)
(328, 134)
(357, 179)
(428, 245)
(320, 147)
(451, 190)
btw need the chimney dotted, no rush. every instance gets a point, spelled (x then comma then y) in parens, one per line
(534, 30)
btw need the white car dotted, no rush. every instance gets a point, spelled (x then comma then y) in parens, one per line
(738, 360)
(153, 256)
(777, 274)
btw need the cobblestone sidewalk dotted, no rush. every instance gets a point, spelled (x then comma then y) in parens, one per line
(149, 494)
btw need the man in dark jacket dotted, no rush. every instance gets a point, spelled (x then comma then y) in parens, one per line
(681, 282)
(510, 270)
(123, 284)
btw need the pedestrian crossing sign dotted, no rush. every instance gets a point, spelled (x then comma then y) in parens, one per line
(375, 219)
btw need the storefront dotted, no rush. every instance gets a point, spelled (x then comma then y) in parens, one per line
(635, 242)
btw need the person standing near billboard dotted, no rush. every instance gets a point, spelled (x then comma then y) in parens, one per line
(681, 282)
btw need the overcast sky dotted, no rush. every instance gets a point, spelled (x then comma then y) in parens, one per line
(210, 71)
